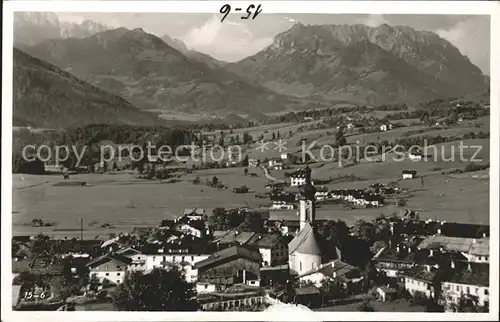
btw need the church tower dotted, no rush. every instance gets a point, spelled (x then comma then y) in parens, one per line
(307, 202)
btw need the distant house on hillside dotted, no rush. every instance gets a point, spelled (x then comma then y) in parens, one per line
(385, 127)
(409, 174)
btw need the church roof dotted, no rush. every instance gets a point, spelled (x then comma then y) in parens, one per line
(305, 242)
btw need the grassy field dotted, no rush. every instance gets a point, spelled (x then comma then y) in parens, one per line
(124, 201)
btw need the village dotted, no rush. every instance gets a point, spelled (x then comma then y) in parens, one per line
(359, 233)
(247, 259)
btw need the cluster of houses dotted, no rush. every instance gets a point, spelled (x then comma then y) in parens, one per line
(416, 262)
(358, 197)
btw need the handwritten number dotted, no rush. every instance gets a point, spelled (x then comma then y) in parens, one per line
(249, 12)
(225, 10)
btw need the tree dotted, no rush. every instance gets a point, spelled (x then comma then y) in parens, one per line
(333, 289)
(252, 222)
(401, 202)
(366, 306)
(370, 276)
(39, 246)
(160, 290)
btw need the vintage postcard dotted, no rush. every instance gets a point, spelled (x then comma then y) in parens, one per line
(226, 161)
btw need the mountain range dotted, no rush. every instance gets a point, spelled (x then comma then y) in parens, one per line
(373, 64)
(305, 67)
(31, 28)
(150, 74)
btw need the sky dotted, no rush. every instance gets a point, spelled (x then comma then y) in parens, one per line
(235, 39)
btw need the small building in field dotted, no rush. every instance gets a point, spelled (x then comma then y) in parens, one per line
(112, 267)
(385, 127)
(409, 174)
(322, 193)
(254, 163)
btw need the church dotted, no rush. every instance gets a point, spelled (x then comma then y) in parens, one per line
(304, 252)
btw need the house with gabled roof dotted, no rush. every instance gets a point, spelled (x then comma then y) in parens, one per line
(233, 265)
(112, 267)
(272, 247)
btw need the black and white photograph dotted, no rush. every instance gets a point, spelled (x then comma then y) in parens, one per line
(243, 160)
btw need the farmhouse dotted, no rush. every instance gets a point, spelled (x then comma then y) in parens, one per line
(230, 266)
(419, 282)
(194, 213)
(322, 193)
(415, 156)
(253, 163)
(275, 164)
(409, 174)
(178, 255)
(137, 257)
(272, 248)
(111, 267)
(300, 177)
(385, 127)
(282, 200)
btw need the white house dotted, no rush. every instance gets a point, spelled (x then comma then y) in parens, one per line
(322, 194)
(281, 205)
(415, 156)
(272, 248)
(205, 287)
(409, 174)
(419, 284)
(111, 267)
(164, 258)
(469, 284)
(284, 156)
(138, 259)
(385, 127)
(297, 181)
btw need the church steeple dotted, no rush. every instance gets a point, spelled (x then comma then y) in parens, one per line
(307, 201)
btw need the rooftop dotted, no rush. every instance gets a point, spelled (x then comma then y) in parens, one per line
(305, 242)
(235, 236)
(457, 244)
(337, 266)
(265, 240)
(109, 257)
(237, 251)
(478, 274)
